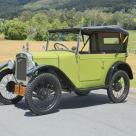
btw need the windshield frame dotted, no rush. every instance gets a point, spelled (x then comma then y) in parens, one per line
(77, 46)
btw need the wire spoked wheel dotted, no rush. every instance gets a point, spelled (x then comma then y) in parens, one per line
(7, 88)
(119, 87)
(43, 94)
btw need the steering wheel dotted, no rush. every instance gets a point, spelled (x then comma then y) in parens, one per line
(60, 44)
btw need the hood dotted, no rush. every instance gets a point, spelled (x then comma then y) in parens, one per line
(50, 54)
(44, 55)
(50, 57)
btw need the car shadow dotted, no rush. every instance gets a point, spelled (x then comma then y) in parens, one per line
(71, 101)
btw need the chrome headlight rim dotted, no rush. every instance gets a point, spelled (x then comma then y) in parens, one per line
(30, 63)
(11, 64)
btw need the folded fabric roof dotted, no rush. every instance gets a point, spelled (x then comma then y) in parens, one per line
(90, 30)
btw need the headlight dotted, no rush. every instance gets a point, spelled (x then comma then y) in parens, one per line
(30, 62)
(11, 64)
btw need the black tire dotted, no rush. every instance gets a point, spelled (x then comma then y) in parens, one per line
(115, 86)
(3, 99)
(39, 91)
(82, 93)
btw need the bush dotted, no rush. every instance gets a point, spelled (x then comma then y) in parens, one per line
(1, 27)
(37, 27)
(15, 30)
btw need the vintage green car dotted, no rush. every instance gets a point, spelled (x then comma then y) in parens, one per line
(95, 59)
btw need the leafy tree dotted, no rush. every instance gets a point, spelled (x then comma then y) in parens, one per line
(38, 27)
(35, 26)
(15, 30)
(1, 27)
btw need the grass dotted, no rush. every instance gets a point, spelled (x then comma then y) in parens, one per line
(8, 50)
(132, 58)
(132, 62)
(132, 39)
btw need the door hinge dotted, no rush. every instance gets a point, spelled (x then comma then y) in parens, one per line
(102, 65)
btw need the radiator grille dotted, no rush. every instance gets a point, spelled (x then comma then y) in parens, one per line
(21, 67)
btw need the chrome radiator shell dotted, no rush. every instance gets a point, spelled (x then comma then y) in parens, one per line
(21, 67)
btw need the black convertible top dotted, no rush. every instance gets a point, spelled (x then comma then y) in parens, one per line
(90, 30)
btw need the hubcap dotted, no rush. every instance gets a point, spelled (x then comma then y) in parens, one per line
(118, 87)
(43, 96)
(43, 93)
(10, 86)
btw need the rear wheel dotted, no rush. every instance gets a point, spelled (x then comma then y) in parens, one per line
(119, 87)
(7, 88)
(43, 94)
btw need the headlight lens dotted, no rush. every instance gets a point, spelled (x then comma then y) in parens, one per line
(30, 62)
(11, 64)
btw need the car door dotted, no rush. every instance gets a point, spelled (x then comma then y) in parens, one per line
(90, 67)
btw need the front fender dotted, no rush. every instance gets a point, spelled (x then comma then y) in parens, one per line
(40, 69)
(54, 70)
(10, 65)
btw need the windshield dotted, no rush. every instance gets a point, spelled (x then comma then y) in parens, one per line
(62, 42)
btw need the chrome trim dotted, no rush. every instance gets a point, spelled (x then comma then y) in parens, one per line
(78, 43)
(3, 65)
(20, 55)
(11, 64)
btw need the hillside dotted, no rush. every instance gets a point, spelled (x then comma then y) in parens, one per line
(11, 8)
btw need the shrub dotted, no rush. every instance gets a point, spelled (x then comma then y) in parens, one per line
(15, 30)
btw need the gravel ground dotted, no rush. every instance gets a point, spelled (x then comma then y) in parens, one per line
(92, 115)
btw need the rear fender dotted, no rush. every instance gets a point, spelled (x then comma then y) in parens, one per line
(118, 66)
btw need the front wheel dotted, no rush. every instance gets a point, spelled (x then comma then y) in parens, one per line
(43, 94)
(118, 87)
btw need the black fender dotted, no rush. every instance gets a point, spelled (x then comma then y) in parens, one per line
(118, 66)
(64, 80)
(3, 66)
(10, 65)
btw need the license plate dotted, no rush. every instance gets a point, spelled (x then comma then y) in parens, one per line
(20, 90)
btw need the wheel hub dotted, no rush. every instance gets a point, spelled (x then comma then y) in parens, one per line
(117, 86)
(43, 93)
(10, 86)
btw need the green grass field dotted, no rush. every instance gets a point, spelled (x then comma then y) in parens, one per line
(132, 58)
(132, 39)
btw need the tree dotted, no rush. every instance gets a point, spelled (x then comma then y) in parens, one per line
(38, 26)
(1, 27)
(15, 30)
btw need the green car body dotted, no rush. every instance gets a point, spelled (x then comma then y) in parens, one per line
(91, 70)
(84, 71)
